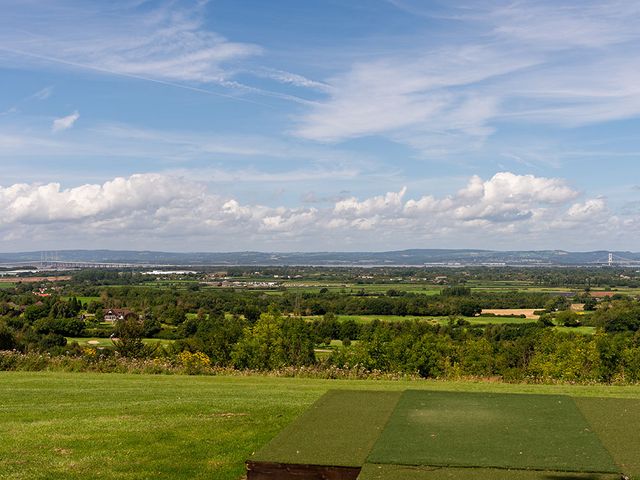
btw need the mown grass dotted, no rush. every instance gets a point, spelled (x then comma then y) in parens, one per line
(106, 342)
(111, 426)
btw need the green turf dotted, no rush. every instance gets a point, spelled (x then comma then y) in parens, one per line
(339, 429)
(617, 423)
(403, 472)
(78, 426)
(540, 432)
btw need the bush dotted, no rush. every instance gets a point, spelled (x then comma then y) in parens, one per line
(194, 363)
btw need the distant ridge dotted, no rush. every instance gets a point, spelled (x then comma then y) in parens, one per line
(412, 257)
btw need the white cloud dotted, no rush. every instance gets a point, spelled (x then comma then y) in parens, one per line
(389, 203)
(156, 209)
(534, 62)
(589, 209)
(561, 26)
(292, 79)
(42, 94)
(392, 95)
(166, 44)
(65, 123)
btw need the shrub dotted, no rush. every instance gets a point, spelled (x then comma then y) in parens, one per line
(194, 363)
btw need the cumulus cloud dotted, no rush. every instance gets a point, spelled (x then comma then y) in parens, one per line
(155, 210)
(65, 123)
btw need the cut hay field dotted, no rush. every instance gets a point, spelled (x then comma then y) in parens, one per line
(81, 426)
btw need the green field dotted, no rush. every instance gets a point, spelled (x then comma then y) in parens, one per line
(85, 300)
(106, 342)
(488, 320)
(83, 425)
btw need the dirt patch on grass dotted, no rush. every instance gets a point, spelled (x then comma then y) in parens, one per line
(224, 415)
(62, 451)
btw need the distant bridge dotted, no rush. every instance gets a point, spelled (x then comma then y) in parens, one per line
(614, 260)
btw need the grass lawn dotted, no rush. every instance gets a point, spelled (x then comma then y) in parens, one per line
(584, 330)
(106, 342)
(82, 425)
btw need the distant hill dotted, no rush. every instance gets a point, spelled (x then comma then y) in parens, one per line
(414, 257)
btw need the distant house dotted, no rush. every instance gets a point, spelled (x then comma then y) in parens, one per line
(112, 315)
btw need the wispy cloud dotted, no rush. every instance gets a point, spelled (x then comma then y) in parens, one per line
(294, 79)
(526, 62)
(64, 123)
(42, 94)
(168, 44)
(165, 43)
(9, 111)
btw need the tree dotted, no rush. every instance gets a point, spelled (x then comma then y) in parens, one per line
(128, 338)
(590, 304)
(7, 338)
(568, 318)
(260, 345)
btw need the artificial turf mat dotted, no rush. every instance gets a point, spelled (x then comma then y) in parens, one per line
(338, 430)
(455, 429)
(402, 472)
(617, 423)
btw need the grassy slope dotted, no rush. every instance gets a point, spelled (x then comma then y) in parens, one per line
(72, 426)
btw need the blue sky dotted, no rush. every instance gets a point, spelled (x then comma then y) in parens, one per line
(319, 125)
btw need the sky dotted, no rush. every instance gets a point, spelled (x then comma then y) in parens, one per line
(319, 125)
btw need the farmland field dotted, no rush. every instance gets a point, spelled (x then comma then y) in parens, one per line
(410, 318)
(527, 312)
(72, 426)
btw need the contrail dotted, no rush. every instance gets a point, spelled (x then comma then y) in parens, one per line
(136, 77)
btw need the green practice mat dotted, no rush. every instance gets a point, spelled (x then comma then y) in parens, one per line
(400, 472)
(338, 430)
(617, 423)
(505, 431)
